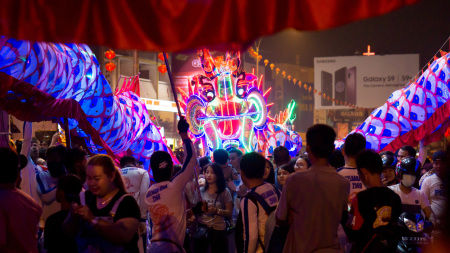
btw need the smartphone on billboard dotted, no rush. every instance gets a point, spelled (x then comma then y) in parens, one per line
(327, 87)
(340, 83)
(351, 85)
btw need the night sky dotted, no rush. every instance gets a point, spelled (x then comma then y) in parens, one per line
(421, 28)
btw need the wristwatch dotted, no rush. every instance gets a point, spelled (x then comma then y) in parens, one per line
(94, 221)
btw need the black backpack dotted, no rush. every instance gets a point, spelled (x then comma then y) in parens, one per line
(383, 239)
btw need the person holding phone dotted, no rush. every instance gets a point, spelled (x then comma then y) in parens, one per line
(67, 192)
(108, 218)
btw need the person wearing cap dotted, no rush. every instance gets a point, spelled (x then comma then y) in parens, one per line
(166, 200)
(413, 200)
(433, 187)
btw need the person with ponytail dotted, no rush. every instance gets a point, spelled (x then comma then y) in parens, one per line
(105, 218)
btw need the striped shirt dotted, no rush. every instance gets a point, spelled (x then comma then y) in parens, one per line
(254, 217)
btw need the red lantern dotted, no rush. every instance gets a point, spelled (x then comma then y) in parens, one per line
(110, 66)
(161, 56)
(110, 54)
(162, 69)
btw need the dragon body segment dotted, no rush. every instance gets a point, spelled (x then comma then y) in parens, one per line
(419, 111)
(71, 71)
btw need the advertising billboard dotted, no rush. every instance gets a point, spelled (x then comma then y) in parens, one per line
(363, 81)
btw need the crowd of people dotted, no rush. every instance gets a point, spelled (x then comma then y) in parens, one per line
(54, 199)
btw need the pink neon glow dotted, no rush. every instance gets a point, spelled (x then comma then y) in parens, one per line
(230, 126)
(190, 90)
(267, 91)
(260, 82)
(183, 93)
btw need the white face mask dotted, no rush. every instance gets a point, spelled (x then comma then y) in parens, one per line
(408, 180)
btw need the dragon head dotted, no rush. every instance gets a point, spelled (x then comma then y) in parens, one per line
(225, 103)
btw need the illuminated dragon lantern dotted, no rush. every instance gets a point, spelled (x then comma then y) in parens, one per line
(53, 81)
(226, 107)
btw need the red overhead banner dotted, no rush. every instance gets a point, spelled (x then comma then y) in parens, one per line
(173, 25)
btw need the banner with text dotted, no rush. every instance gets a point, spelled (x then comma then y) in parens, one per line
(364, 81)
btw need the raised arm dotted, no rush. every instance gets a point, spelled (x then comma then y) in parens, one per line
(27, 134)
(185, 174)
(28, 173)
(423, 152)
(55, 139)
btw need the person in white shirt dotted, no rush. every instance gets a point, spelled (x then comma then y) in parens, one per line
(254, 216)
(440, 157)
(41, 184)
(137, 182)
(354, 143)
(433, 187)
(166, 200)
(28, 173)
(413, 200)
